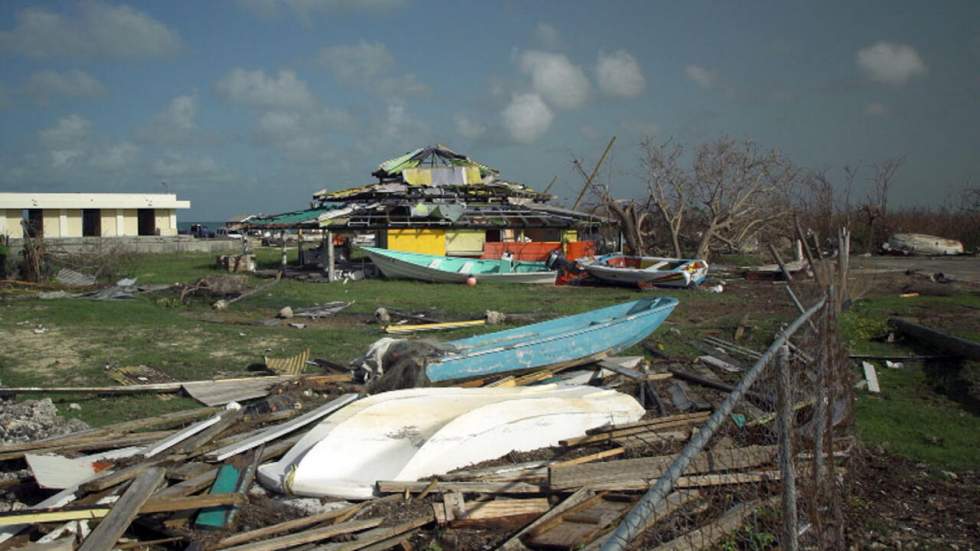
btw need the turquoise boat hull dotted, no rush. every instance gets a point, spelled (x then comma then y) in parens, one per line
(450, 269)
(571, 340)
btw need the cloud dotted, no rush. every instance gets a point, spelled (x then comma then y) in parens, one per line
(175, 124)
(68, 131)
(556, 79)
(890, 63)
(469, 128)
(115, 157)
(367, 64)
(356, 62)
(256, 89)
(619, 74)
(305, 9)
(876, 109)
(93, 29)
(300, 136)
(181, 167)
(45, 85)
(547, 36)
(705, 78)
(527, 117)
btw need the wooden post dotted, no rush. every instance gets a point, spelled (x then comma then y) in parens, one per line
(123, 512)
(331, 274)
(784, 403)
(299, 245)
(282, 236)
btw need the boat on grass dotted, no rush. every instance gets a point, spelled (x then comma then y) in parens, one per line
(450, 269)
(562, 342)
(407, 435)
(646, 271)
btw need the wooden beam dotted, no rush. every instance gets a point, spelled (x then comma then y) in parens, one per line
(288, 526)
(937, 339)
(650, 468)
(152, 505)
(605, 454)
(398, 487)
(105, 535)
(381, 538)
(514, 542)
(309, 536)
(708, 536)
(595, 171)
(491, 513)
(673, 502)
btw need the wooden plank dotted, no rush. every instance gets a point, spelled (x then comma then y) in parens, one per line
(719, 364)
(580, 525)
(398, 487)
(271, 433)
(514, 543)
(692, 481)
(605, 454)
(152, 505)
(379, 538)
(650, 468)
(288, 526)
(309, 536)
(221, 392)
(871, 376)
(937, 339)
(491, 513)
(672, 503)
(97, 444)
(105, 535)
(406, 329)
(64, 544)
(708, 536)
(180, 436)
(625, 366)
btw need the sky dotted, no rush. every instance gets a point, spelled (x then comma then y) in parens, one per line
(251, 106)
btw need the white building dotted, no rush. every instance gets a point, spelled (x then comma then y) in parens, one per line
(66, 215)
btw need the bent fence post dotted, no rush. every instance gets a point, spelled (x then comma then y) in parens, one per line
(631, 525)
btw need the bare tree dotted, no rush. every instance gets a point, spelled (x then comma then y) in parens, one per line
(875, 207)
(739, 189)
(669, 186)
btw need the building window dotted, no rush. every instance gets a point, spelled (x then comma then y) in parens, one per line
(146, 222)
(91, 223)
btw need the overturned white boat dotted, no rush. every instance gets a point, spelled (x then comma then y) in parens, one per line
(410, 434)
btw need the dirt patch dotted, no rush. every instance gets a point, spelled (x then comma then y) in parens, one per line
(895, 503)
(49, 350)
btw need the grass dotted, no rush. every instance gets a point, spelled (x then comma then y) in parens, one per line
(921, 413)
(924, 413)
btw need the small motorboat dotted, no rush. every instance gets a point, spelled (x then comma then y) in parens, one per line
(646, 271)
(568, 341)
(450, 269)
(407, 435)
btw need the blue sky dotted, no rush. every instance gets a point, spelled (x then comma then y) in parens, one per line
(252, 105)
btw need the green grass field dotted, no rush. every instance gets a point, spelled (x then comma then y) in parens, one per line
(919, 414)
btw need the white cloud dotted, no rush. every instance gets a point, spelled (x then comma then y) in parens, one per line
(890, 63)
(356, 62)
(403, 86)
(705, 78)
(307, 8)
(556, 79)
(547, 36)
(94, 29)
(469, 128)
(256, 89)
(44, 85)
(181, 167)
(69, 131)
(619, 74)
(115, 157)
(527, 117)
(300, 136)
(175, 124)
(876, 109)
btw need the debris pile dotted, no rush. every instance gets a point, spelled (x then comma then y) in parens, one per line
(33, 420)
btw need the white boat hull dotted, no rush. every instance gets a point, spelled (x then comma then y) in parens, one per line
(410, 434)
(647, 276)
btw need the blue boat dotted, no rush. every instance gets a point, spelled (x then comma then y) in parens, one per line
(563, 342)
(450, 269)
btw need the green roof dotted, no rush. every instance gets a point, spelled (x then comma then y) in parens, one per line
(437, 154)
(295, 218)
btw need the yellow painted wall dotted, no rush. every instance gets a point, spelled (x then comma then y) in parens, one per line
(74, 228)
(130, 222)
(10, 224)
(465, 242)
(108, 222)
(52, 222)
(418, 241)
(163, 221)
(570, 236)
